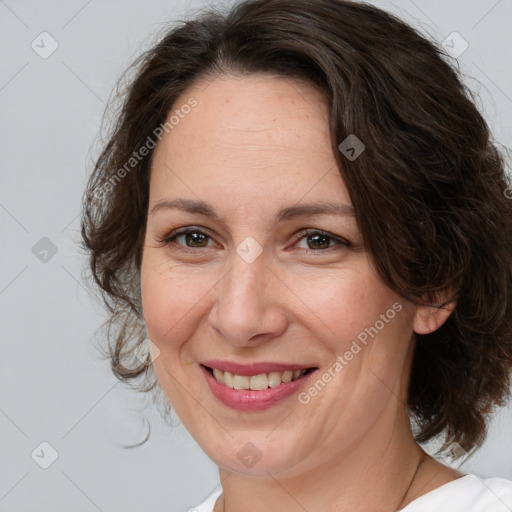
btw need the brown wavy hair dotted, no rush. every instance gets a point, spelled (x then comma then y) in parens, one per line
(429, 190)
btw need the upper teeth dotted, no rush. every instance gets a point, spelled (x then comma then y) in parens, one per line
(256, 382)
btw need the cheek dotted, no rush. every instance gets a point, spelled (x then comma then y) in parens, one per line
(343, 303)
(169, 301)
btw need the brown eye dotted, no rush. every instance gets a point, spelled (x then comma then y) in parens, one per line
(192, 238)
(319, 241)
(195, 239)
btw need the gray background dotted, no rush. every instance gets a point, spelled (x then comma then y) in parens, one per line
(53, 386)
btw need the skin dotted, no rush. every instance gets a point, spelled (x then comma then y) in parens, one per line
(252, 146)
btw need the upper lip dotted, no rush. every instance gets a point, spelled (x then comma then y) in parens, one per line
(253, 368)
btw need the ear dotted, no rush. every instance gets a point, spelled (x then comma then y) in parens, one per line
(427, 319)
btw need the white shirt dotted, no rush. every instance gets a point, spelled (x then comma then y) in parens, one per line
(469, 493)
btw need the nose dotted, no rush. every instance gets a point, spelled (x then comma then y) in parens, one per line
(249, 304)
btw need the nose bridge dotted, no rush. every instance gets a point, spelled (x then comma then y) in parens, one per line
(243, 307)
(243, 290)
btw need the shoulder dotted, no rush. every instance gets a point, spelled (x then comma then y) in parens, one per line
(469, 493)
(497, 490)
(208, 504)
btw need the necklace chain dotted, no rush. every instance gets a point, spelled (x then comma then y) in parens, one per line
(421, 461)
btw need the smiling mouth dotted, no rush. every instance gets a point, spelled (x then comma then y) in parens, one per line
(257, 382)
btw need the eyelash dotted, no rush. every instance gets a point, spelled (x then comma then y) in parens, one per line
(171, 237)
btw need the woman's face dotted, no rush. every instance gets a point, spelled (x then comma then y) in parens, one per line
(269, 277)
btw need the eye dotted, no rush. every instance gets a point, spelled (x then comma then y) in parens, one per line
(312, 240)
(319, 241)
(192, 238)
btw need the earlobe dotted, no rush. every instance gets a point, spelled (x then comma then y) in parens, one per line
(427, 319)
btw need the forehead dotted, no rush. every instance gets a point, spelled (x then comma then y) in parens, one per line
(253, 134)
(250, 102)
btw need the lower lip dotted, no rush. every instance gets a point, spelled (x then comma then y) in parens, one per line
(251, 400)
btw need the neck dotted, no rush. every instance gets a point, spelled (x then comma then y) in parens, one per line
(379, 472)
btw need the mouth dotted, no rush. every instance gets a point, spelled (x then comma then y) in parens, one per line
(259, 381)
(258, 391)
(255, 386)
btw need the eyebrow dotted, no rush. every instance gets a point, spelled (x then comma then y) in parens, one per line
(288, 213)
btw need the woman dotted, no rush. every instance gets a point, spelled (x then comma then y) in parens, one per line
(302, 210)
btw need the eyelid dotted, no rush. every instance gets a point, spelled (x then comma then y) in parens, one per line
(316, 231)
